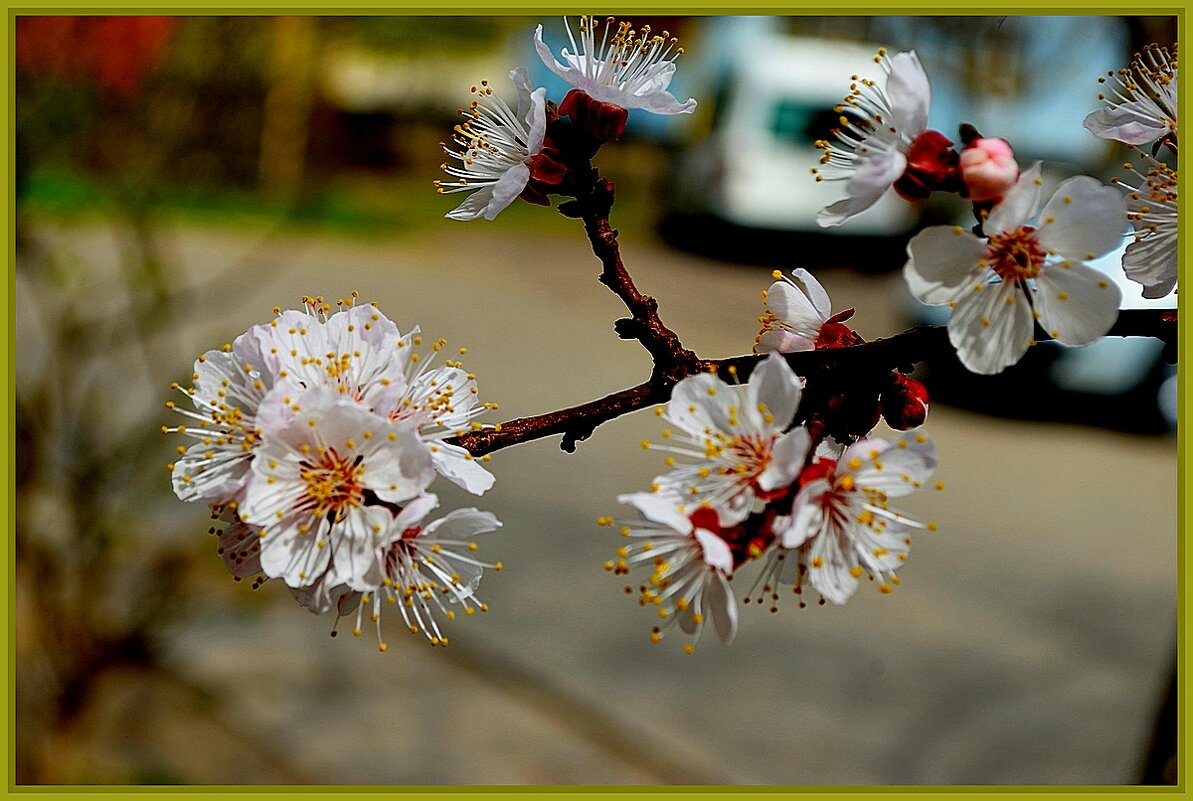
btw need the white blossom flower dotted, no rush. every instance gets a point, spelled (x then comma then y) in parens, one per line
(1141, 104)
(690, 565)
(878, 127)
(794, 315)
(229, 385)
(496, 145)
(841, 523)
(424, 570)
(735, 448)
(311, 480)
(626, 67)
(360, 353)
(998, 287)
(1151, 259)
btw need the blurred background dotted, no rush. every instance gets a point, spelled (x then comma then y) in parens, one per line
(179, 177)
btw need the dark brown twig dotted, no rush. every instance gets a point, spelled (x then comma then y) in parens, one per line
(915, 345)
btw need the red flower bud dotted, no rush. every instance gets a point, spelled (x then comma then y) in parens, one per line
(599, 121)
(931, 165)
(904, 403)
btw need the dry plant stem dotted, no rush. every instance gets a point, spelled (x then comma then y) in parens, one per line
(915, 345)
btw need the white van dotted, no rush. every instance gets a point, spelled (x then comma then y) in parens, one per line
(771, 104)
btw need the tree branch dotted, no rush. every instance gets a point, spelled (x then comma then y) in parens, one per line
(915, 345)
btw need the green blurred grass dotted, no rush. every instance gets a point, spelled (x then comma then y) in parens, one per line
(362, 205)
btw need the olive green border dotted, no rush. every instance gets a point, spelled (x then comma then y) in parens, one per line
(688, 7)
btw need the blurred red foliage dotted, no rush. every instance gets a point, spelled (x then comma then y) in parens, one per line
(114, 53)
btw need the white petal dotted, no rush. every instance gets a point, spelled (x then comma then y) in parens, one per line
(295, 558)
(941, 261)
(788, 455)
(909, 92)
(722, 608)
(807, 516)
(793, 307)
(870, 180)
(716, 551)
(893, 468)
(473, 207)
(663, 103)
(398, 469)
(778, 340)
(544, 53)
(240, 549)
(1083, 219)
(1151, 261)
(700, 404)
(830, 566)
(355, 546)
(1133, 123)
(1089, 306)
(1018, 205)
(462, 524)
(412, 512)
(507, 189)
(775, 385)
(989, 333)
(658, 508)
(815, 292)
(457, 466)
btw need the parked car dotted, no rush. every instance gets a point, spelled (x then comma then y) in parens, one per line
(753, 170)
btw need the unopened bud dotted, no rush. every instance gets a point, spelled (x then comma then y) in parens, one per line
(904, 403)
(988, 168)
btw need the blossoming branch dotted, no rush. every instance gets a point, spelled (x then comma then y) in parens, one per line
(316, 437)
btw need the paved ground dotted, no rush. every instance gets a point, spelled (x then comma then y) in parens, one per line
(1028, 642)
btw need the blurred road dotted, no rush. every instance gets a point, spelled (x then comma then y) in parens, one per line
(1028, 644)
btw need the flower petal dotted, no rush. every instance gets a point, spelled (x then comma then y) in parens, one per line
(1151, 261)
(815, 292)
(807, 516)
(893, 468)
(403, 470)
(457, 466)
(871, 178)
(658, 508)
(775, 386)
(1134, 123)
(830, 566)
(1083, 219)
(474, 205)
(700, 404)
(295, 558)
(716, 551)
(722, 607)
(355, 545)
(1018, 205)
(989, 332)
(942, 260)
(909, 92)
(794, 307)
(778, 340)
(462, 524)
(1077, 304)
(788, 455)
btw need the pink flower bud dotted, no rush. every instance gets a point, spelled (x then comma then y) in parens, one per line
(988, 168)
